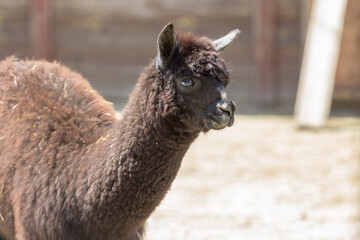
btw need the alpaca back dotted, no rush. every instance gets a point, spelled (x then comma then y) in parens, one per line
(46, 112)
(41, 99)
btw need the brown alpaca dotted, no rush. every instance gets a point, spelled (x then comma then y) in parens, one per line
(70, 170)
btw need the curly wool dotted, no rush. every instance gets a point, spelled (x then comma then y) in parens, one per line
(69, 169)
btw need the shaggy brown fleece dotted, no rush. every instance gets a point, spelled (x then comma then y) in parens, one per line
(70, 170)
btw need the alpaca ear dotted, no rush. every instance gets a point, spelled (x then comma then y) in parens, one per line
(166, 45)
(221, 43)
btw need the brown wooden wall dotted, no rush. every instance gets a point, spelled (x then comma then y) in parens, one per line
(348, 70)
(110, 41)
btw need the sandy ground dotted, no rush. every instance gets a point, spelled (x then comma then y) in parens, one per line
(265, 179)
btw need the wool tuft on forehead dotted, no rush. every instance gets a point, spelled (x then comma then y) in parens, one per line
(200, 57)
(189, 42)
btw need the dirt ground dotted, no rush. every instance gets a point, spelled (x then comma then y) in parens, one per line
(263, 179)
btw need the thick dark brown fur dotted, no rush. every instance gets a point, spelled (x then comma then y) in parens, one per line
(70, 170)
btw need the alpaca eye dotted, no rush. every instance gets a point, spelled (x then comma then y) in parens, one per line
(187, 83)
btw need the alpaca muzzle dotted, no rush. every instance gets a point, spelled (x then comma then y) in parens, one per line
(227, 109)
(221, 114)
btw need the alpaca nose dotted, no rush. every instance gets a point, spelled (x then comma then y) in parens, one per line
(227, 106)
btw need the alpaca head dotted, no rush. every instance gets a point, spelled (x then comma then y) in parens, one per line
(194, 79)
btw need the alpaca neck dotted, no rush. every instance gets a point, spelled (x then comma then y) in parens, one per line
(138, 162)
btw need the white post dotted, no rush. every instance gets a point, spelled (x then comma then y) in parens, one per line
(319, 63)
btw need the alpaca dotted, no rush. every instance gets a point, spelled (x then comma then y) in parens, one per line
(69, 169)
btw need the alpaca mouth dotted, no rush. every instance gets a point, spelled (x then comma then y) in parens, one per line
(218, 122)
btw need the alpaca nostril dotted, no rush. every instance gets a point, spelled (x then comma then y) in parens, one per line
(233, 105)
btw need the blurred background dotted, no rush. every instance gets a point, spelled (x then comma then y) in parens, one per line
(264, 178)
